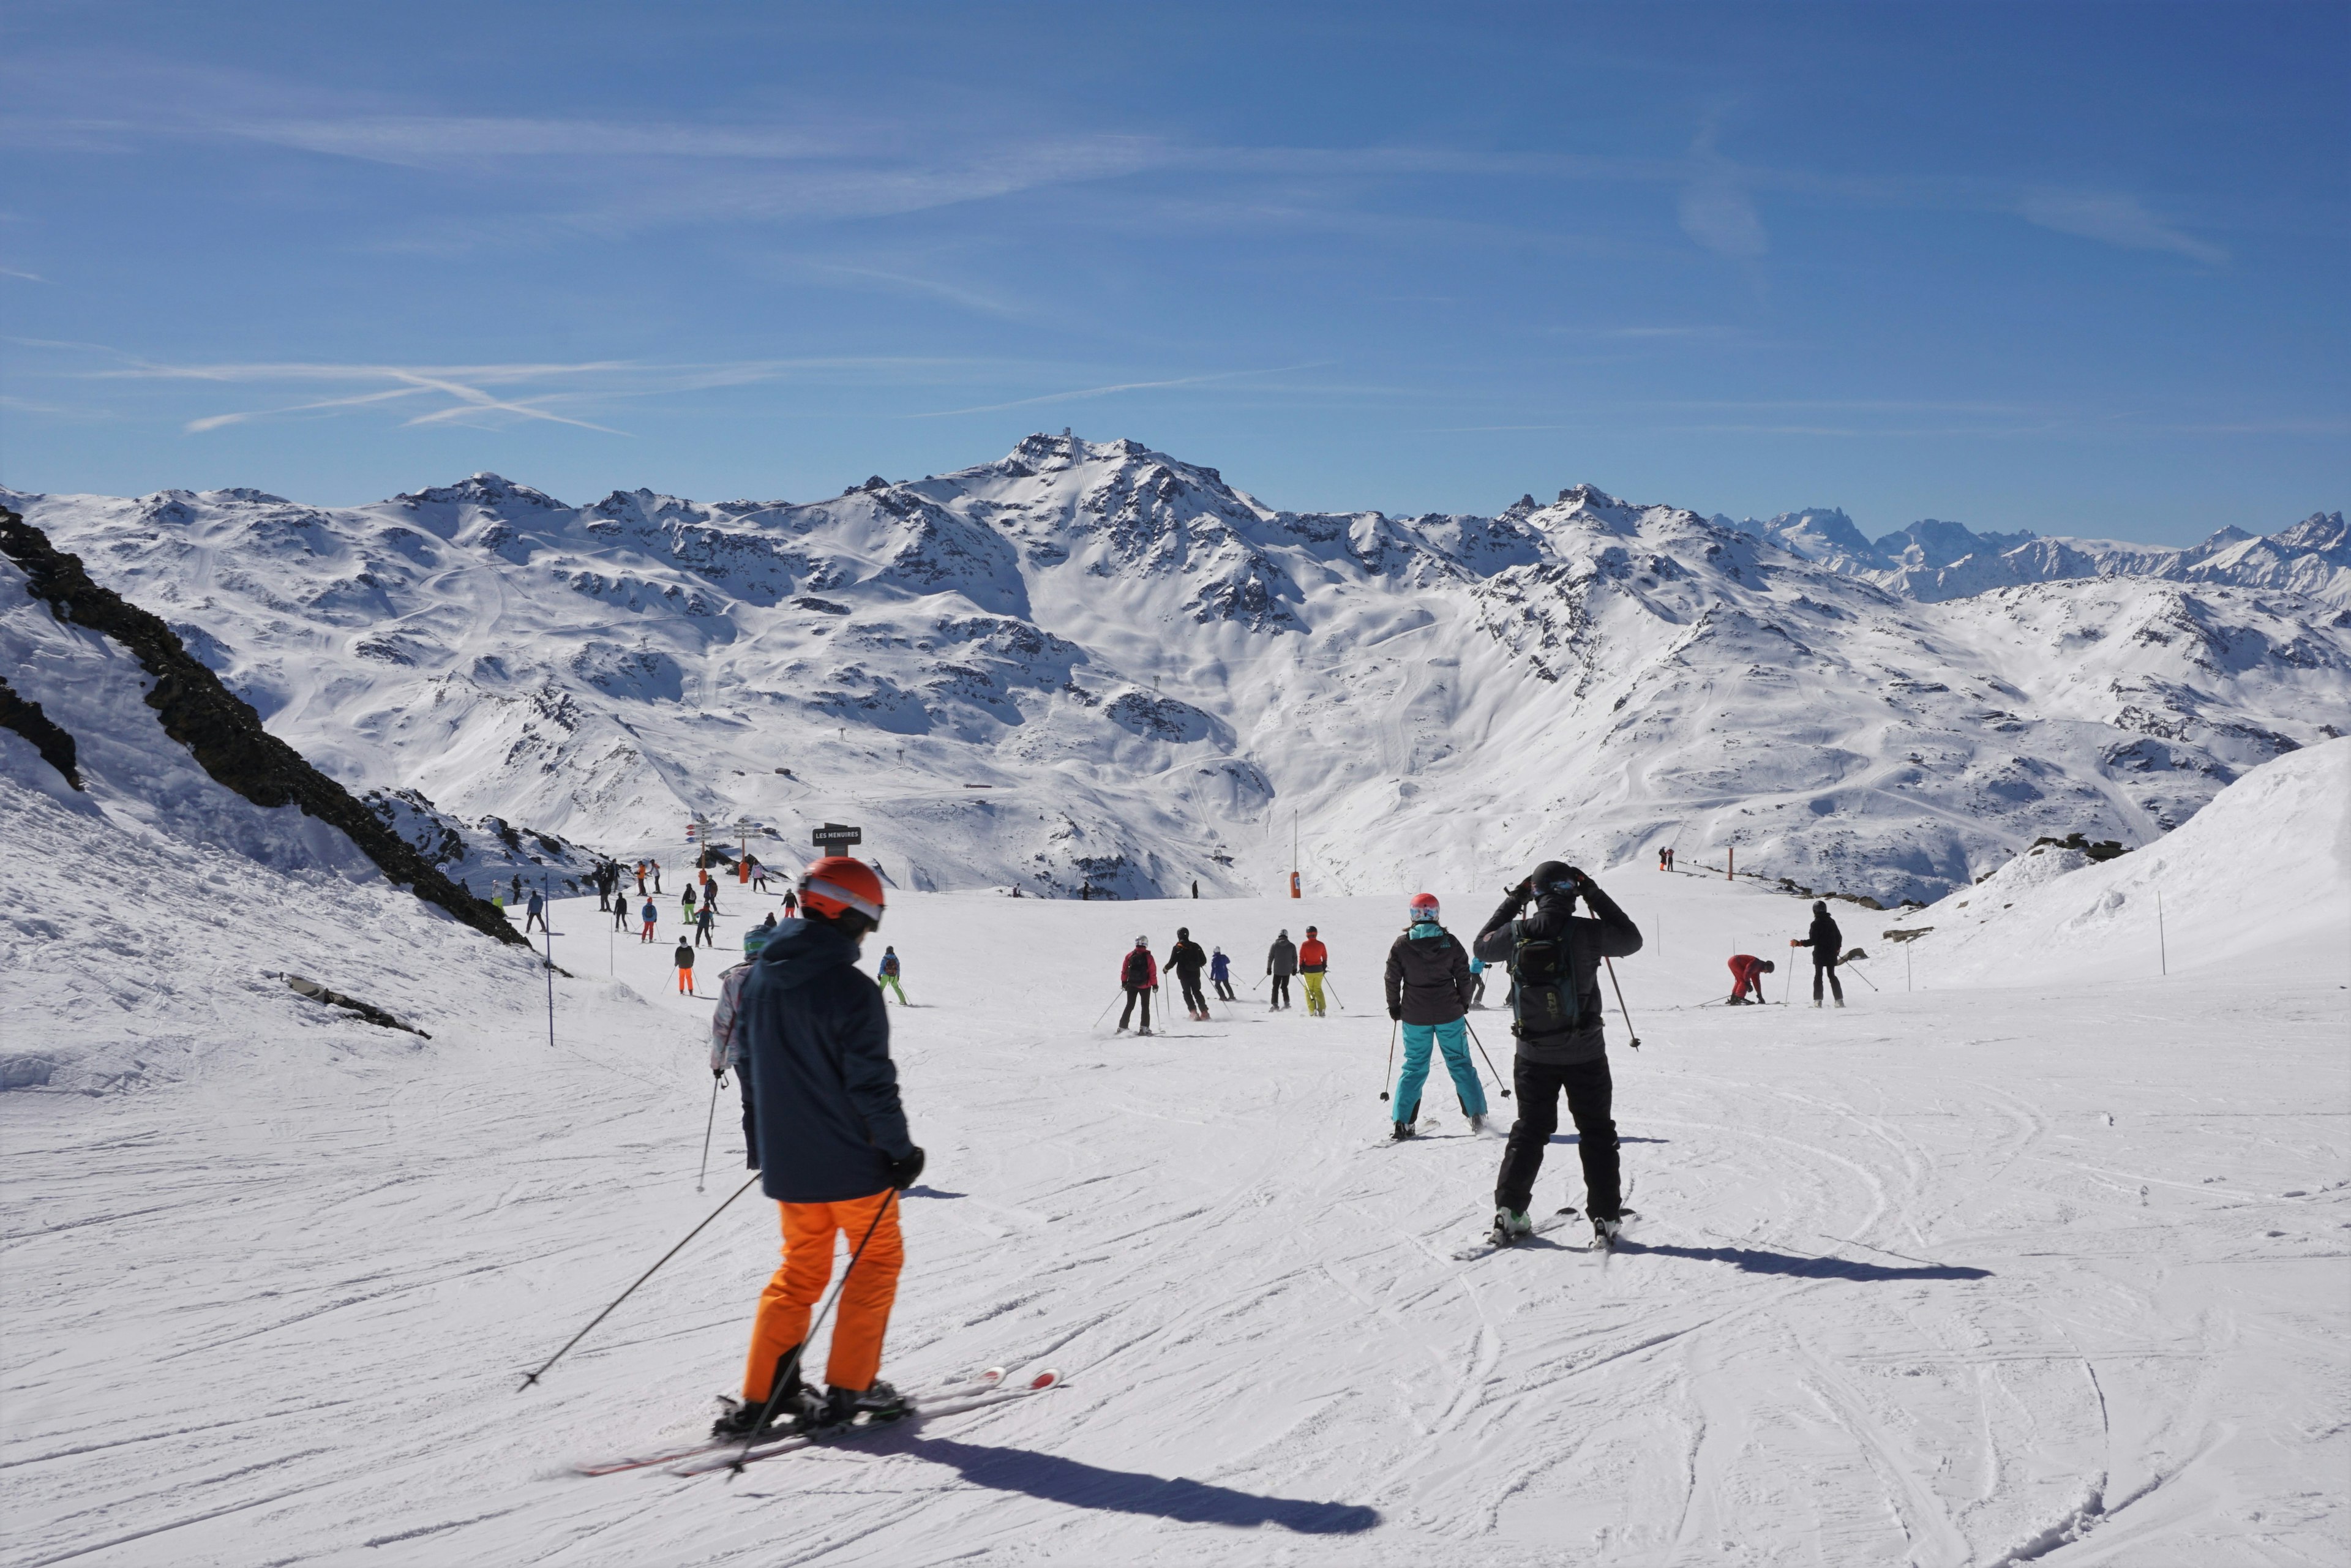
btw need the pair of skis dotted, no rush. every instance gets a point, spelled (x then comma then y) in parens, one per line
(952, 1398)
(1495, 1242)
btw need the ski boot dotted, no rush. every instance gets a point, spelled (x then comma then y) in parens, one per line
(1509, 1224)
(1604, 1233)
(878, 1404)
(1143, 1030)
(1476, 1124)
(1840, 1001)
(1401, 1131)
(796, 1408)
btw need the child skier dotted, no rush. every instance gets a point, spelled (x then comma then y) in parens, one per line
(649, 914)
(685, 959)
(1745, 969)
(1220, 974)
(833, 1153)
(1428, 994)
(889, 975)
(704, 926)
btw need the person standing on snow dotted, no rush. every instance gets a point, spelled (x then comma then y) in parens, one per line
(1187, 960)
(1281, 962)
(791, 904)
(619, 906)
(834, 1155)
(656, 867)
(710, 895)
(1746, 972)
(536, 913)
(641, 879)
(1826, 942)
(704, 924)
(1138, 976)
(1313, 959)
(1220, 974)
(650, 914)
(1554, 957)
(1428, 993)
(683, 958)
(685, 903)
(728, 1047)
(890, 973)
(1477, 984)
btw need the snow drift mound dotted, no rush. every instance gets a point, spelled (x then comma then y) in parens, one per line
(2257, 885)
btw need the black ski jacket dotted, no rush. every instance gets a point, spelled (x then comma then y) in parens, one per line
(1611, 936)
(824, 1091)
(1187, 959)
(1428, 975)
(1825, 941)
(1281, 958)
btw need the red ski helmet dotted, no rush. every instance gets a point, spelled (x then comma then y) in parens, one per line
(1422, 908)
(842, 884)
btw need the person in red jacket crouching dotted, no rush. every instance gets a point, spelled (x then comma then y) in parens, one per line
(1746, 972)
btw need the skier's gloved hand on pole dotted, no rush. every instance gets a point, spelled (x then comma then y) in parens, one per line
(906, 1169)
(1395, 1014)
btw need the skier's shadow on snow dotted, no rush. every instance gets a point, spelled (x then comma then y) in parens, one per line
(1752, 1261)
(1079, 1485)
(931, 1192)
(1573, 1138)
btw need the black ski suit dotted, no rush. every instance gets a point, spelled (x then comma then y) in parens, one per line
(1281, 962)
(1572, 1059)
(1826, 943)
(1187, 959)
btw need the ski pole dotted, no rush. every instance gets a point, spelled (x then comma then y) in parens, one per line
(1489, 1060)
(1389, 1071)
(1105, 1012)
(1335, 992)
(530, 1377)
(707, 1127)
(1620, 1002)
(789, 1374)
(1863, 974)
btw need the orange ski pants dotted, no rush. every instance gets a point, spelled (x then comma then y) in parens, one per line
(861, 1319)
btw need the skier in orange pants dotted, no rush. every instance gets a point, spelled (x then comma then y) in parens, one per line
(834, 1154)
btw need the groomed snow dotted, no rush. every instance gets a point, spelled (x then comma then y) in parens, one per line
(1962, 1275)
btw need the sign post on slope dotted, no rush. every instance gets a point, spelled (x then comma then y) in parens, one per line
(835, 837)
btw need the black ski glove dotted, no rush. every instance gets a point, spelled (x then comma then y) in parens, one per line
(1395, 1014)
(719, 1073)
(906, 1169)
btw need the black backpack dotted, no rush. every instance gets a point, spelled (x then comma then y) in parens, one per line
(1547, 999)
(1137, 973)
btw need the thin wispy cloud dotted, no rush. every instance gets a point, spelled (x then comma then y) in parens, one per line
(1083, 394)
(2115, 219)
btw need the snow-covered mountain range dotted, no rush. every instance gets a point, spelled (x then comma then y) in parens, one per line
(1094, 662)
(1932, 559)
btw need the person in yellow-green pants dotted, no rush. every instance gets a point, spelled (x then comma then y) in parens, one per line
(889, 975)
(1313, 958)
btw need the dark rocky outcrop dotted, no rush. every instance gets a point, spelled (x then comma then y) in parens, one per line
(223, 733)
(56, 747)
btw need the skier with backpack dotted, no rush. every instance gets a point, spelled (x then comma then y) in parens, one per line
(834, 1155)
(650, 914)
(1428, 989)
(889, 974)
(1138, 976)
(1281, 962)
(683, 958)
(1555, 957)
(1826, 942)
(1187, 960)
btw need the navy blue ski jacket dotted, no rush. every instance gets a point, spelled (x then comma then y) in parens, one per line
(824, 1091)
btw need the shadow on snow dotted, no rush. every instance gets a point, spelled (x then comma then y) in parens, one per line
(1754, 1262)
(1076, 1484)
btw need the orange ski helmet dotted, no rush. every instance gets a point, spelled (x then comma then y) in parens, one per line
(842, 884)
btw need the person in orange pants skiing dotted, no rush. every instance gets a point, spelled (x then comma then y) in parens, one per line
(834, 1155)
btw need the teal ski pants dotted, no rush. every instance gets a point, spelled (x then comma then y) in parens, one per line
(1453, 1039)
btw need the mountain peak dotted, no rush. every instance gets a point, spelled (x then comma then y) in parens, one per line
(483, 489)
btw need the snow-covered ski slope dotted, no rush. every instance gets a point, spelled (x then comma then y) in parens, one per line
(1968, 1275)
(1092, 661)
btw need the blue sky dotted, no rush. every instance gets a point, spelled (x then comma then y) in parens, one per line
(2071, 267)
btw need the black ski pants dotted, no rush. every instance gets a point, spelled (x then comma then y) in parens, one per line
(1281, 994)
(1128, 1012)
(1191, 985)
(1829, 970)
(1589, 1091)
(1224, 991)
(619, 914)
(750, 1122)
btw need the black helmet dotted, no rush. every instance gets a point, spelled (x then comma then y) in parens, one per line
(1819, 906)
(1183, 934)
(1551, 876)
